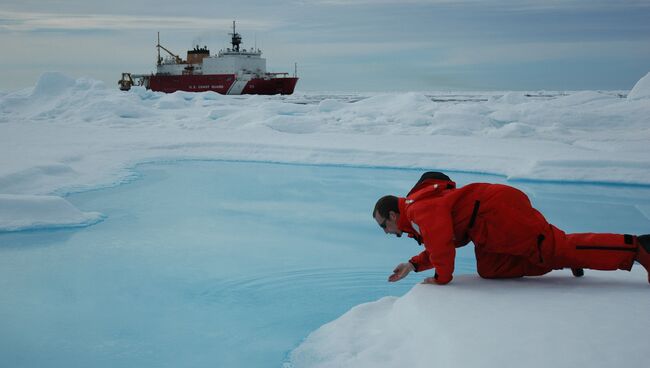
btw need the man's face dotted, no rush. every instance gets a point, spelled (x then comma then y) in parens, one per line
(389, 225)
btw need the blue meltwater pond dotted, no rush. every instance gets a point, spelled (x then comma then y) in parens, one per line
(230, 264)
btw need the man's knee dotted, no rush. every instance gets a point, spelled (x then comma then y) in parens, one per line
(488, 272)
(487, 275)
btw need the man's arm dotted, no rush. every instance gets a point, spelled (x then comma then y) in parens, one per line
(421, 262)
(437, 233)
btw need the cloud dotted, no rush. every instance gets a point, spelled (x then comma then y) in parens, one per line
(513, 5)
(526, 52)
(349, 49)
(35, 22)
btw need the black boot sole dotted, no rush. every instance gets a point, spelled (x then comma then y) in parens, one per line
(578, 272)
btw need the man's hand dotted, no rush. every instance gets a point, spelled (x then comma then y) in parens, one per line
(401, 271)
(437, 280)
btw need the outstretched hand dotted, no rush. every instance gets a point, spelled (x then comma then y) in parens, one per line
(401, 271)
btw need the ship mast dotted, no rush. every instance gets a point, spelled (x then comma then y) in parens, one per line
(236, 38)
(159, 60)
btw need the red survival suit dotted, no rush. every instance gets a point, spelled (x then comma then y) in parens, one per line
(511, 238)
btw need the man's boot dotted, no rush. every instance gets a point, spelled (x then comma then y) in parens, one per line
(643, 252)
(578, 272)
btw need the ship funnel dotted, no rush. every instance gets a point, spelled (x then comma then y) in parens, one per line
(197, 55)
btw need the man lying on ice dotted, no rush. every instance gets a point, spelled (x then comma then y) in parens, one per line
(511, 238)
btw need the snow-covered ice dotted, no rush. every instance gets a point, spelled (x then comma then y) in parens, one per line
(20, 212)
(66, 135)
(641, 89)
(551, 321)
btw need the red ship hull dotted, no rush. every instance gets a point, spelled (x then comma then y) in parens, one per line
(223, 84)
(272, 86)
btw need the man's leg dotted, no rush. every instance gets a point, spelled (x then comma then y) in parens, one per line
(596, 251)
(502, 266)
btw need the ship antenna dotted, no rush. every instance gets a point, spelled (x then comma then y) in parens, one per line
(236, 38)
(158, 61)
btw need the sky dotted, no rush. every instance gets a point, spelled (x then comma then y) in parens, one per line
(343, 45)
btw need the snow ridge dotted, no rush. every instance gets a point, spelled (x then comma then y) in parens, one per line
(72, 134)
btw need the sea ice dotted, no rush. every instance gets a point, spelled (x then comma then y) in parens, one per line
(551, 321)
(20, 212)
(66, 135)
(641, 89)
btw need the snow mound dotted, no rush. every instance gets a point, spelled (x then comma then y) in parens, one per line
(20, 212)
(212, 96)
(551, 321)
(513, 98)
(30, 180)
(52, 84)
(329, 105)
(145, 94)
(641, 89)
(580, 98)
(293, 125)
(457, 123)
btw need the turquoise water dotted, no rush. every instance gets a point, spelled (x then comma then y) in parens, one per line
(230, 264)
